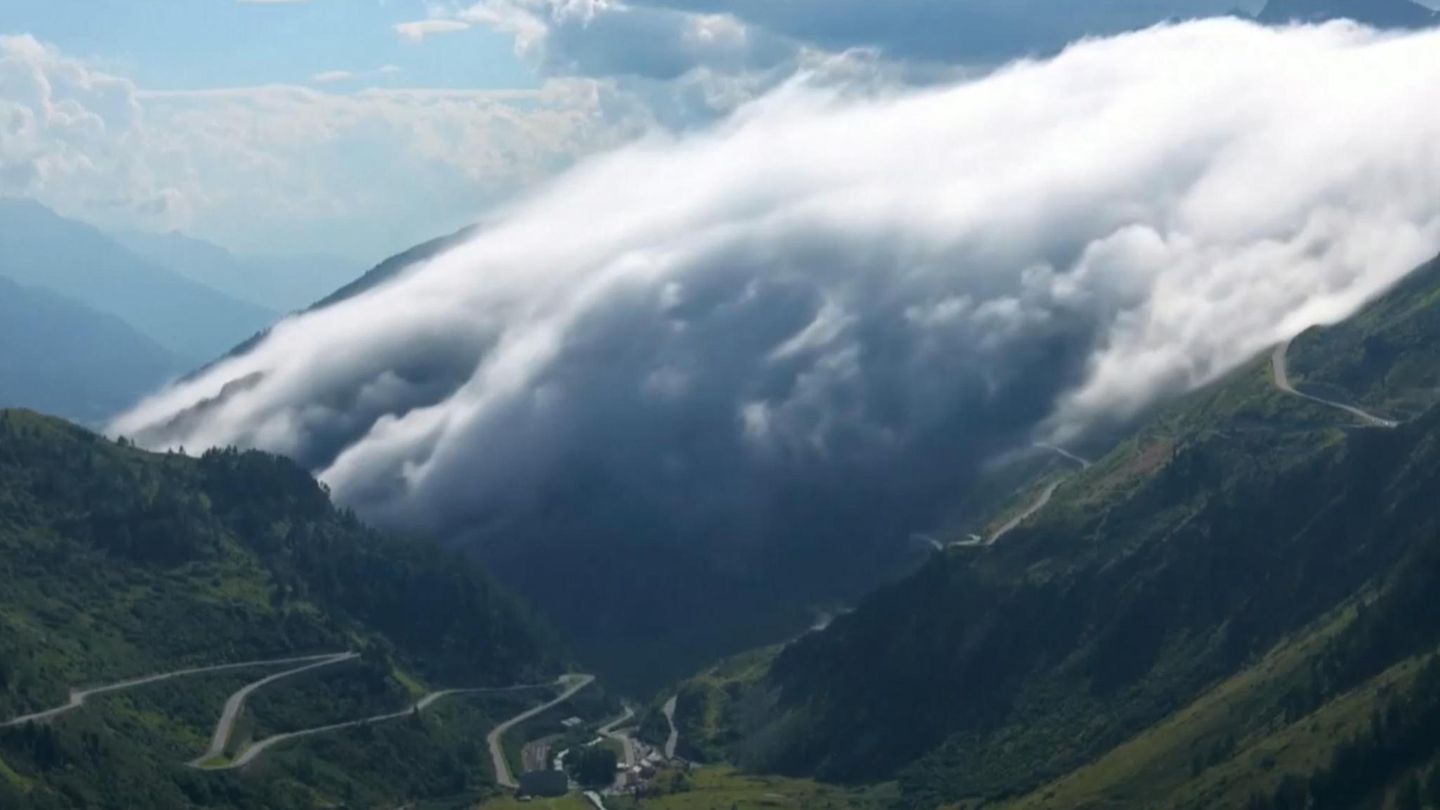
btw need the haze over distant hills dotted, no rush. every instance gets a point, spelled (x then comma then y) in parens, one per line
(279, 283)
(42, 249)
(62, 357)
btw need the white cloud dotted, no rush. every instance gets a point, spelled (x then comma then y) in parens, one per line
(418, 30)
(825, 289)
(341, 76)
(74, 131)
(368, 172)
(332, 76)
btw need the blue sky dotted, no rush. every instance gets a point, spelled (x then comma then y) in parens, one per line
(198, 44)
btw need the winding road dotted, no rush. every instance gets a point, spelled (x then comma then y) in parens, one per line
(673, 741)
(1282, 381)
(503, 776)
(1035, 506)
(258, 748)
(231, 712)
(1055, 448)
(79, 696)
(627, 743)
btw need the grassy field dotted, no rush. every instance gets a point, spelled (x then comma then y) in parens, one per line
(723, 787)
(718, 788)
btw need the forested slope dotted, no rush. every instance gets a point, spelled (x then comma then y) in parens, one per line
(120, 563)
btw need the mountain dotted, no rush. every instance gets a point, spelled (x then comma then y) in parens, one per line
(395, 265)
(63, 357)
(121, 564)
(279, 283)
(1379, 13)
(1233, 608)
(41, 249)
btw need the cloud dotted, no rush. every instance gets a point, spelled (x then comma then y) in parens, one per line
(694, 61)
(418, 30)
(341, 76)
(373, 170)
(668, 38)
(331, 76)
(66, 127)
(793, 337)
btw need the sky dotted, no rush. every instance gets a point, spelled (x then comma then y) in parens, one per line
(361, 127)
(210, 44)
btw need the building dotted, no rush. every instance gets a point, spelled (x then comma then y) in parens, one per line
(547, 783)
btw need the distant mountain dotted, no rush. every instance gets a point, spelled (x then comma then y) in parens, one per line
(280, 283)
(119, 563)
(42, 249)
(1234, 608)
(1379, 13)
(63, 357)
(374, 277)
(395, 265)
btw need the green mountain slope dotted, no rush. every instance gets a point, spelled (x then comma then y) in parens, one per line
(1246, 548)
(119, 563)
(62, 357)
(1386, 358)
(41, 249)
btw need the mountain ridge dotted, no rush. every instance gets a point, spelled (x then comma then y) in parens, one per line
(43, 249)
(63, 357)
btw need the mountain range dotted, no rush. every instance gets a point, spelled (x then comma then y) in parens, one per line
(39, 248)
(65, 358)
(278, 283)
(1232, 608)
(1381, 13)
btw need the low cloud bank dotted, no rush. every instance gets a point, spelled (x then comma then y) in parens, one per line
(796, 335)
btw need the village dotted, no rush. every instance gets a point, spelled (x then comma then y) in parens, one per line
(551, 767)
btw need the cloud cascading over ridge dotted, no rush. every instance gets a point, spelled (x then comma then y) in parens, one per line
(835, 303)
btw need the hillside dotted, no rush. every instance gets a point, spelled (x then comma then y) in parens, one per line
(1244, 579)
(122, 564)
(278, 283)
(195, 322)
(62, 357)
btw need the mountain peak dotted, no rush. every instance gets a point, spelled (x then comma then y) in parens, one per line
(1379, 13)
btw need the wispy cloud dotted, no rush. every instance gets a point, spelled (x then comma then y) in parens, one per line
(97, 147)
(418, 30)
(341, 76)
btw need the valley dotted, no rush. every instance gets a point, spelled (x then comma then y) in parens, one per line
(805, 405)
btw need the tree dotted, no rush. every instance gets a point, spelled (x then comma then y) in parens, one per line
(592, 766)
